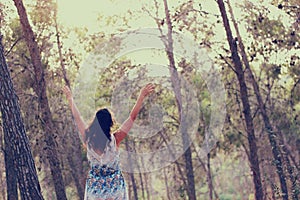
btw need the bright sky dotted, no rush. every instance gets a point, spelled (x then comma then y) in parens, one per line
(85, 13)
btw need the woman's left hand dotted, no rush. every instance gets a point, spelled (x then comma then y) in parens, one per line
(147, 89)
(68, 93)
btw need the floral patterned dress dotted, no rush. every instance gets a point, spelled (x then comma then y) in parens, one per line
(105, 180)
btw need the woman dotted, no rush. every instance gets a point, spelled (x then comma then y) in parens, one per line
(105, 180)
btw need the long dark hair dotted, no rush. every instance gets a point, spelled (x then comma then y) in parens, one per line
(98, 133)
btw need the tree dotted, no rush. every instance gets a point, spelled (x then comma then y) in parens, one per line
(268, 127)
(253, 155)
(74, 156)
(40, 90)
(176, 87)
(16, 140)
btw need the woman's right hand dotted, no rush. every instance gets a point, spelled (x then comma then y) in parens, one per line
(68, 93)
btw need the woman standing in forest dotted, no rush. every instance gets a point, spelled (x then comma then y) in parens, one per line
(105, 180)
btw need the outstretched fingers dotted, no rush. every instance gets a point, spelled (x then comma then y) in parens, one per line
(148, 89)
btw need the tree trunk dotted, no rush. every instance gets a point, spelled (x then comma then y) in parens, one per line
(76, 164)
(134, 187)
(246, 105)
(175, 80)
(290, 168)
(40, 90)
(11, 174)
(147, 186)
(3, 187)
(140, 175)
(166, 183)
(206, 171)
(74, 172)
(142, 185)
(268, 127)
(15, 137)
(209, 180)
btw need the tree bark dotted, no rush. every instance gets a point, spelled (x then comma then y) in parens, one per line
(142, 185)
(290, 168)
(206, 171)
(11, 174)
(134, 186)
(166, 183)
(11, 177)
(268, 127)
(209, 179)
(254, 163)
(175, 80)
(40, 90)
(16, 139)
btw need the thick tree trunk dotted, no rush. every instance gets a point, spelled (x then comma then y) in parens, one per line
(11, 174)
(40, 90)
(177, 90)
(2, 168)
(268, 127)
(254, 163)
(16, 139)
(75, 172)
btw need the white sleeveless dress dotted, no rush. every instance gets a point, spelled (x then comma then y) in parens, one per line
(105, 180)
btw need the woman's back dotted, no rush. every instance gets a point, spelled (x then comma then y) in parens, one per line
(109, 157)
(105, 180)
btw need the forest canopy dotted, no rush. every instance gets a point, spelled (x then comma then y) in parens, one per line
(223, 122)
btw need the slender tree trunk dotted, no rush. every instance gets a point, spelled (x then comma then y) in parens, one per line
(146, 186)
(59, 47)
(76, 163)
(268, 127)
(140, 176)
(206, 171)
(40, 90)
(134, 187)
(166, 183)
(142, 185)
(177, 90)
(254, 163)
(144, 179)
(176, 162)
(15, 137)
(209, 179)
(290, 169)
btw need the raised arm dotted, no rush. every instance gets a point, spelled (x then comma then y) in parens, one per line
(78, 119)
(126, 126)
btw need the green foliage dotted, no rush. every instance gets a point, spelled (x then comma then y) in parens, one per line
(43, 14)
(272, 46)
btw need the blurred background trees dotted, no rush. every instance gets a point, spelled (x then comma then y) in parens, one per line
(266, 35)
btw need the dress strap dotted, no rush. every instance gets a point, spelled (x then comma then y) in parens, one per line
(114, 141)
